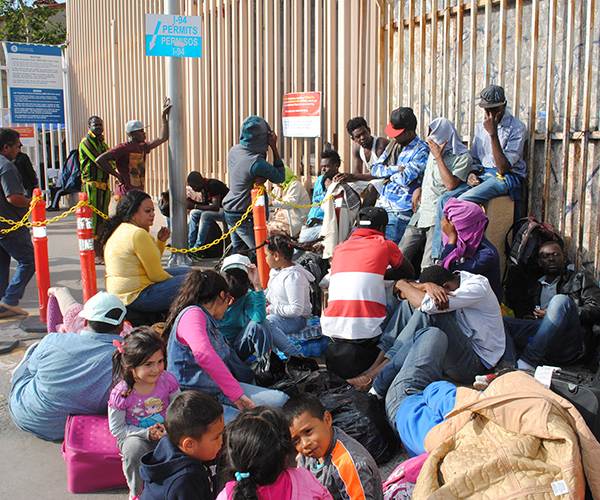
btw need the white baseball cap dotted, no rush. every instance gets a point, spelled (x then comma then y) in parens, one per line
(134, 126)
(97, 308)
(236, 261)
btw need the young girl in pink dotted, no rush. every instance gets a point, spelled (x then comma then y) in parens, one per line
(139, 400)
(259, 460)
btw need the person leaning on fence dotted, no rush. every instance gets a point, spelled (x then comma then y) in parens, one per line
(563, 306)
(245, 163)
(130, 157)
(367, 149)
(448, 166)
(330, 166)
(134, 271)
(93, 178)
(14, 244)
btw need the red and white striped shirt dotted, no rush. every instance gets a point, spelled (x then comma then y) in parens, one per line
(356, 306)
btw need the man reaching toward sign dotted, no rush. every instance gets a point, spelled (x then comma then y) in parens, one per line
(130, 156)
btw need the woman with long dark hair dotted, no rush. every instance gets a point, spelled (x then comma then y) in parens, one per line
(198, 354)
(134, 272)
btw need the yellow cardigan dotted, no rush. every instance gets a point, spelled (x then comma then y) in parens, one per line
(132, 258)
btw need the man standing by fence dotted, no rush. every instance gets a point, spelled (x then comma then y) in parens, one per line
(94, 179)
(14, 244)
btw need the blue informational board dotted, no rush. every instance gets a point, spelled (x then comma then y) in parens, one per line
(35, 83)
(173, 36)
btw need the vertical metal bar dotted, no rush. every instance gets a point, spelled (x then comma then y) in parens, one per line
(307, 48)
(458, 72)
(411, 49)
(433, 55)
(296, 48)
(472, 68)
(276, 68)
(318, 70)
(332, 68)
(535, 21)
(549, 105)
(587, 88)
(488, 43)
(567, 113)
(344, 33)
(422, 41)
(176, 168)
(516, 102)
(400, 63)
(502, 50)
(446, 61)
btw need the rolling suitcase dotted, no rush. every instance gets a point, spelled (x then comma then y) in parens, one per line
(583, 390)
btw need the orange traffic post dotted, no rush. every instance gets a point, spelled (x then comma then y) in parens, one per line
(87, 256)
(259, 214)
(40, 253)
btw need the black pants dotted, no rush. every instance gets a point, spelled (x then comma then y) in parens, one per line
(350, 358)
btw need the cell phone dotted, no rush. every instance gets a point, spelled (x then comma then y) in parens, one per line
(538, 308)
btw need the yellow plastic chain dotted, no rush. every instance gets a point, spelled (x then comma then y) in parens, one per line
(24, 222)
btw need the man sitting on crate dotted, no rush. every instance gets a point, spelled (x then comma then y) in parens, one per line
(67, 373)
(564, 305)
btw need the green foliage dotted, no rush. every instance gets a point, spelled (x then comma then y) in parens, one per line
(20, 22)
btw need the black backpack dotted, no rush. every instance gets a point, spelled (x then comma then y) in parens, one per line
(521, 245)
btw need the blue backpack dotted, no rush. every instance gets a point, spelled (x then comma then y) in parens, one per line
(70, 176)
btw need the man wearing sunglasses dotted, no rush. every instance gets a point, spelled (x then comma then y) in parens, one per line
(564, 304)
(14, 244)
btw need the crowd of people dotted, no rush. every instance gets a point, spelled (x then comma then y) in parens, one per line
(413, 297)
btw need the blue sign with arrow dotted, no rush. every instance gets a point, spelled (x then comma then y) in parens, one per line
(173, 36)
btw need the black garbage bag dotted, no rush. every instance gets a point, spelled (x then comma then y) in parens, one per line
(361, 416)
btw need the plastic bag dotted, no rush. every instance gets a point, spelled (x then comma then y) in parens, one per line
(362, 417)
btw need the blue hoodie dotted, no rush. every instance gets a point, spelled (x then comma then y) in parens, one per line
(246, 161)
(169, 474)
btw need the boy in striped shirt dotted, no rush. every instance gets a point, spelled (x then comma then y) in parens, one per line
(338, 461)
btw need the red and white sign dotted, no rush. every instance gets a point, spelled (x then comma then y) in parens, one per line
(301, 114)
(25, 132)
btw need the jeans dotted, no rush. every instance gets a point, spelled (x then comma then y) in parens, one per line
(490, 187)
(260, 338)
(200, 221)
(159, 296)
(310, 233)
(243, 235)
(556, 339)
(133, 448)
(414, 240)
(259, 395)
(429, 347)
(18, 246)
(436, 237)
(397, 222)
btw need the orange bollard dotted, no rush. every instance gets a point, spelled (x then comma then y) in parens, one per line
(87, 256)
(259, 214)
(40, 254)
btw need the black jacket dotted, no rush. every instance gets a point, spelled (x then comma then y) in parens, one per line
(169, 474)
(584, 291)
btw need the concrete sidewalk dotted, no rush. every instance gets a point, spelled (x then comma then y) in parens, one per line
(31, 467)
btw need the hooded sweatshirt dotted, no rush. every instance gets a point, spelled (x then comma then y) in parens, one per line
(246, 161)
(169, 474)
(288, 292)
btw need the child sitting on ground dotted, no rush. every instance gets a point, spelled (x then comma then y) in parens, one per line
(258, 456)
(177, 468)
(244, 324)
(139, 400)
(288, 290)
(338, 461)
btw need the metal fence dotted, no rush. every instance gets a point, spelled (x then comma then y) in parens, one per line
(366, 57)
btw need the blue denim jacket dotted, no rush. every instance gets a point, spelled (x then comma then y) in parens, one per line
(66, 373)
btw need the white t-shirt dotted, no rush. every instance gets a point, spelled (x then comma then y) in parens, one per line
(478, 315)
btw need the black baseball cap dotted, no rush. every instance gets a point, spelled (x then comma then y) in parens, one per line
(372, 218)
(492, 96)
(401, 119)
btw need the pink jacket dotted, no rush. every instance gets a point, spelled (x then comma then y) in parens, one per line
(292, 484)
